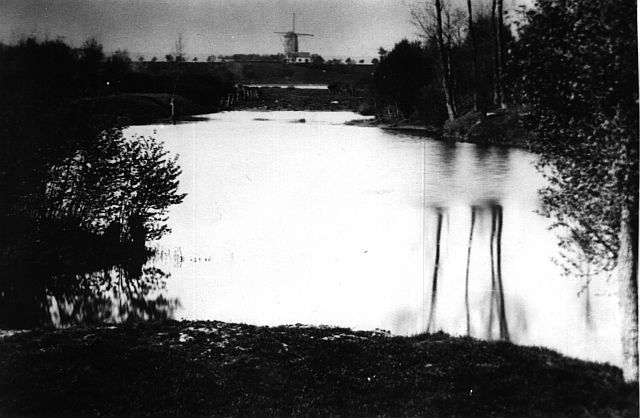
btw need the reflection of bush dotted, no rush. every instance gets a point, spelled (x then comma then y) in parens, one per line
(35, 297)
(111, 296)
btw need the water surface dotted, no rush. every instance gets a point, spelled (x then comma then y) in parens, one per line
(323, 223)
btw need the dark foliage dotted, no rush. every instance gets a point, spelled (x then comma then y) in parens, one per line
(51, 70)
(203, 83)
(254, 57)
(404, 82)
(43, 70)
(462, 59)
(575, 68)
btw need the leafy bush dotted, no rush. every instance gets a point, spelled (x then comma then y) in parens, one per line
(575, 69)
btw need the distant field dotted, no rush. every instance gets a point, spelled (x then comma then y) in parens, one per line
(266, 72)
(271, 72)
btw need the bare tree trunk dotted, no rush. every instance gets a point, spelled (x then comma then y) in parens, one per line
(449, 60)
(450, 73)
(497, 98)
(628, 293)
(446, 82)
(434, 281)
(466, 278)
(500, 52)
(474, 62)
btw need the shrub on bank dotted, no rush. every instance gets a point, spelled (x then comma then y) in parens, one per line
(499, 127)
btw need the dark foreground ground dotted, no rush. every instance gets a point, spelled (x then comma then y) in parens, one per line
(219, 369)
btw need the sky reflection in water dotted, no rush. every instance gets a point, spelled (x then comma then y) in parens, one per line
(322, 223)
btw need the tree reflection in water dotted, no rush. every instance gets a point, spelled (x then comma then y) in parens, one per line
(490, 311)
(34, 298)
(434, 281)
(466, 277)
(497, 288)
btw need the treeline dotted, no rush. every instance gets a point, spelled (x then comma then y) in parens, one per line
(455, 67)
(51, 69)
(77, 196)
(253, 57)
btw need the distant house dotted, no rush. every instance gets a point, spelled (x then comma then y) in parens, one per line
(299, 58)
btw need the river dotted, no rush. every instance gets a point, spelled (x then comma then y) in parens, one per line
(317, 222)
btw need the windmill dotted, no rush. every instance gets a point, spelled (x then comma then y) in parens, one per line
(290, 42)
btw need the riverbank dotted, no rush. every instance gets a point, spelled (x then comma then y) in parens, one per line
(144, 108)
(151, 108)
(410, 127)
(219, 369)
(497, 127)
(276, 98)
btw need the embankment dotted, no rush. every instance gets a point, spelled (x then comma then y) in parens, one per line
(274, 98)
(143, 108)
(498, 127)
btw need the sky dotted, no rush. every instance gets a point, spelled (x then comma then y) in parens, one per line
(341, 28)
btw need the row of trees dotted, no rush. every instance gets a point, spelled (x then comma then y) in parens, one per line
(51, 69)
(459, 63)
(472, 41)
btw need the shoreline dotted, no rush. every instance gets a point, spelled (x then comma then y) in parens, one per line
(498, 128)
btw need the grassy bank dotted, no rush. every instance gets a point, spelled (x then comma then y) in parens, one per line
(143, 108)
(498, 127)
(219, 369)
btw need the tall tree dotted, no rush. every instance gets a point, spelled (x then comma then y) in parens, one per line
(474, 52)
(501, 53)
(575, 66)
(497, 22)
(444, 62)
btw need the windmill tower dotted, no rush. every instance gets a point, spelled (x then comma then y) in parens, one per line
(290, 42)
